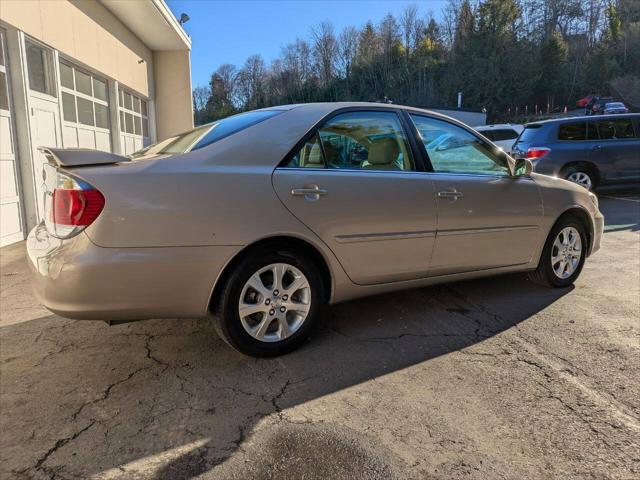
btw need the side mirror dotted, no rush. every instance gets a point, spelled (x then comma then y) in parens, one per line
(523, 167)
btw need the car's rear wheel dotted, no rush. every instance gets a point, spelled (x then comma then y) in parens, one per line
(269, 303)
(582, 175)
(563, 255)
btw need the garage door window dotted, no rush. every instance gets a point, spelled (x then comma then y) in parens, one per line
(39, 67)
(134, 116)
(84, 97)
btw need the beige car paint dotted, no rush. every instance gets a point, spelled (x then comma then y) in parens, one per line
(172, 224)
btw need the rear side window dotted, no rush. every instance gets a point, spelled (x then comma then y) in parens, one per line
(504, 134)
(615, 129)
(573, 131)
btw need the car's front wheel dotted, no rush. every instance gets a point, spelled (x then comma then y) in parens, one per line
(563, 255)
(269, 303)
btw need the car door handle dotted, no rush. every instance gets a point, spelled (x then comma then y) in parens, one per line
(596, 148)
(450, 194)
(303, 192)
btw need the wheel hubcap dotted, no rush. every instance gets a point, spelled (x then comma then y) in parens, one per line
(566, 252)
(274, 302)
(581, 178)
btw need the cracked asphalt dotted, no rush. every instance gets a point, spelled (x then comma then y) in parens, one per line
(488, 379)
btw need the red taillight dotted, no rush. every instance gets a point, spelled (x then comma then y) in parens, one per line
(537, 152)
(76, 207)
(70, 204)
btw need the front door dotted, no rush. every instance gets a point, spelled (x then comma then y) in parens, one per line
(44, 116)
(486, 218)
(354, 184)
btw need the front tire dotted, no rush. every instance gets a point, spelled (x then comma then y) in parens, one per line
(270, 302)
(563, 255)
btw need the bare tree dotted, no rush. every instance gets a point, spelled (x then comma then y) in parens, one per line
(200, 97)
(409, 27)
(251, 82)
(347, 50)
(324, 50)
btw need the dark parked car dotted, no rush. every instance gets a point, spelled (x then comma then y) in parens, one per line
(586, 150)
(596, 105)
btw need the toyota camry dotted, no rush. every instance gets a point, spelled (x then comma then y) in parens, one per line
(262, 219)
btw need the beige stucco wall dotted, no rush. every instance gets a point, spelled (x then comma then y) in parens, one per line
(173, 101)
(87, 32)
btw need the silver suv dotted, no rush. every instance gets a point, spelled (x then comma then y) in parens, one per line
(586, 150)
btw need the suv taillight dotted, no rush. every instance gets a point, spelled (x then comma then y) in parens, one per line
(71, 204)
(537, 152)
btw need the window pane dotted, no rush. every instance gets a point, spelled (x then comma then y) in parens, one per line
(38, 63)
(120, 95)
(365, 140)
(145, 127)
(615, 129)
(505, 134)
(69, 107)
(122, 126)
(136, 104)
(137, 125)
(453, 149)
(309, 156)
(129, 119)
(66, 75)
(4, 95)
(100, 89)
(102, 115)
(83, 83)
(1, 51)
(85, 111)
(572, 131)
(127, 101)
(144, 108)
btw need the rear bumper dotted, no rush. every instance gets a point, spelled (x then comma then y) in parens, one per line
(77, 279)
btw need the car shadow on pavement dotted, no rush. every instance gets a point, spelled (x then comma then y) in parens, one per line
(168, 396)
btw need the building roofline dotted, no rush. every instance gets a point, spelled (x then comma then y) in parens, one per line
(152, 22)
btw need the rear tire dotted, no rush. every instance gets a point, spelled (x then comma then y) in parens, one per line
(566, 236)
(286, 310)
(581, 174)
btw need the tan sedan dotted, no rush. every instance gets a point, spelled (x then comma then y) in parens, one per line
(264, 217)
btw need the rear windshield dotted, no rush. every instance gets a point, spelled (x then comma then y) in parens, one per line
(530, 132)
(207, 134)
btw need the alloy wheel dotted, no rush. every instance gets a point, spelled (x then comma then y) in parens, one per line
(274, 302)
(566, 252)
(581, 178)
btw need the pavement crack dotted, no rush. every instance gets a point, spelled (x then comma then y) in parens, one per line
(59, 444)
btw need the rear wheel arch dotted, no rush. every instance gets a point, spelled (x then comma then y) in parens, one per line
(288, 243)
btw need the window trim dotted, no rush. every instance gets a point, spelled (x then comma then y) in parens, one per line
(418, 160)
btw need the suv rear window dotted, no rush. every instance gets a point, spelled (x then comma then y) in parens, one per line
(529, 132)
(504, 134)
(573, 131)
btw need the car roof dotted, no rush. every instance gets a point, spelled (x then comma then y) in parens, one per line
(581, 118)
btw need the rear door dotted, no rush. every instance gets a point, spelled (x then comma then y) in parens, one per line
(486, 218)
(618, 147)
(355, 184)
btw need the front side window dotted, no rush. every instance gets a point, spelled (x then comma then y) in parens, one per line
(452, 149)
(357, 141)
(613, 129)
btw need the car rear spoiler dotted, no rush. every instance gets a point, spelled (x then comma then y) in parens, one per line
(77, 157)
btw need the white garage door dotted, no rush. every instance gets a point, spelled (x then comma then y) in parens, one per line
(85, 108)
(11, 226)
(134, 121)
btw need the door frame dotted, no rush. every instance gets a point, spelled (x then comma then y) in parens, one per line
(12, 131)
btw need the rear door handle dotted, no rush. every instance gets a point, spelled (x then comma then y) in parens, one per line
(453, 194)
(596, 147)
(311, 192)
